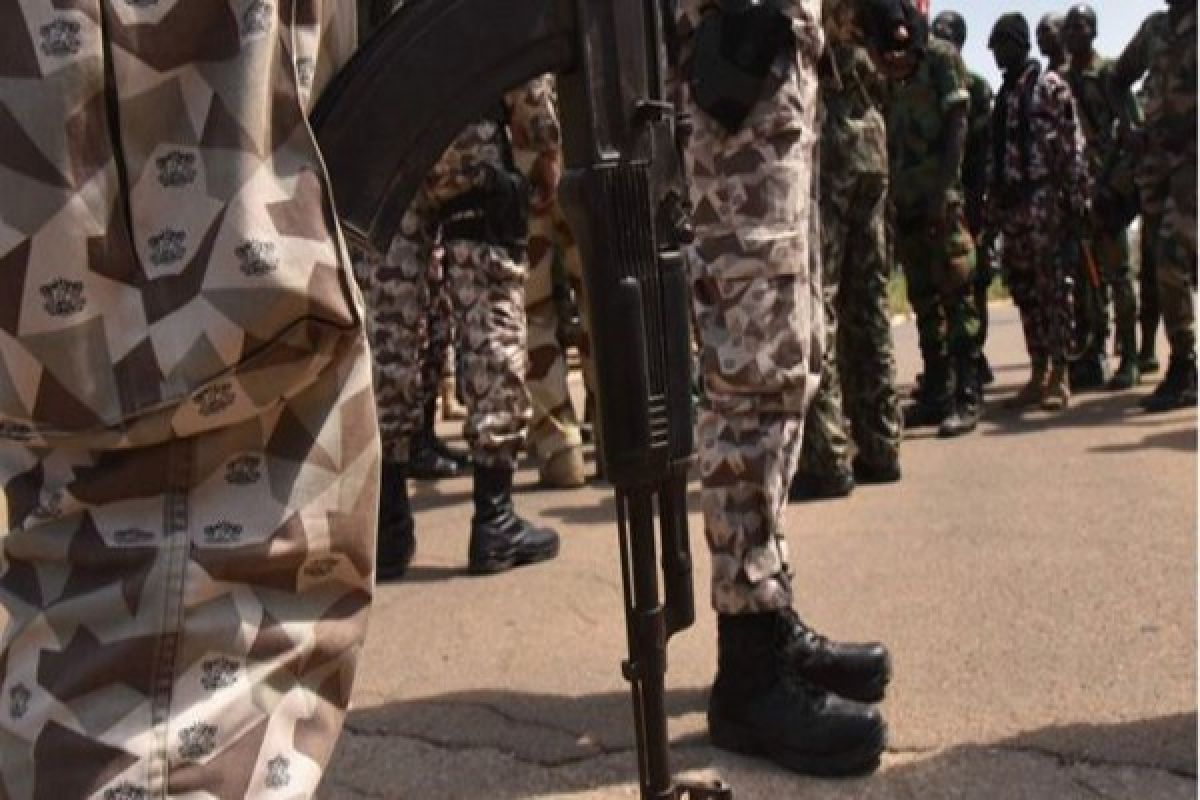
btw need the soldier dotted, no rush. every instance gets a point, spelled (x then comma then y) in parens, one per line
(927, 110)
(1164, 50)
(780, 690)
(188, 445)
(1114, 203)
(949, 26)
(1037, 200)
(1049, 41)
(477, 204)
(856, 264)
(555, 438)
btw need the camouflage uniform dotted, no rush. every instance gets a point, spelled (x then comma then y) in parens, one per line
(859, 361)
(486, 284)
(1039, 183)
(1166, 53)
(553, 256)
(974, 176)
(189, 457)
(756, 298)
(1109, 165)
(938, 271)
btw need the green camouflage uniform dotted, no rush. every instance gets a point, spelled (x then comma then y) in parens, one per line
(1165, 52)
(1109, 166)
(188, 445)
(756, 297)
(938, 271)
(974, 178)
(859, 361)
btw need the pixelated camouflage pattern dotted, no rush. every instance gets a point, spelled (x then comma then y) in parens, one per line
(1054, 196)
(191, 464)
(756, 300)
(1164, 50)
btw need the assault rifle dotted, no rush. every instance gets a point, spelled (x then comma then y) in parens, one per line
(437, 65)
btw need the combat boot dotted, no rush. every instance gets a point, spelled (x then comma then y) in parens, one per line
(1147, 356)
(807, 486)
(501, 540)
(429, 459)
(1178, 387)
(1058, 391)
(967, 404)
(1126, 374)
(856, 671)
(1088, 372)
(760, 705)
(1032, 393)
(396, 541)
(885, 471)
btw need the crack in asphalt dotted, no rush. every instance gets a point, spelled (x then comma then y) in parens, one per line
(1076, 759)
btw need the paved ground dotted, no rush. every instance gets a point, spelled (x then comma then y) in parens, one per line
(1036, 582)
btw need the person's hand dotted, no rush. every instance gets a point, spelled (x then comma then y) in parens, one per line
(545, 175)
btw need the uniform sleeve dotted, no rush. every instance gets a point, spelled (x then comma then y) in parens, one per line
(533, 116)
(950, 77)
(1132, 63)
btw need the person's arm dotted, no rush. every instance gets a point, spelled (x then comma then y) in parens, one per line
(534, 127)
(950, 80)
(1129, 67)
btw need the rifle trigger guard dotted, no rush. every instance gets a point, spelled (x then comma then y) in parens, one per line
(715, 790)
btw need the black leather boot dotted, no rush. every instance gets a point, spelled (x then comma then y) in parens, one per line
(857, 671)
(500, 540)
(760, 706)
(809, 486)
(396, 541)
(1178, 386)
(429, 459)
(968, 394)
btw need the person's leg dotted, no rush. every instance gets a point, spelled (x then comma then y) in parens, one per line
(209, 602)
(957, 297)
(1112, 253)
(487, 287)
(866, 355)
(935, 399)
(1149, 313)
(1019, 257)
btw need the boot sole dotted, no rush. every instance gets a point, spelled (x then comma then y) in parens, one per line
(741, 739)
(493, 566)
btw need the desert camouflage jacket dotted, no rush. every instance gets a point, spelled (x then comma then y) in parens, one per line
(171, 261)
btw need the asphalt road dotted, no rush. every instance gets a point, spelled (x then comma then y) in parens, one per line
(1036, 583)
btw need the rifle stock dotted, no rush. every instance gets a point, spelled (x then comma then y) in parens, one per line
(435, 66)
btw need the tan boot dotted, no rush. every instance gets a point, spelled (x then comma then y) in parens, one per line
(451, 408)
(1058, 394)
(1032, 393)
(564, 470)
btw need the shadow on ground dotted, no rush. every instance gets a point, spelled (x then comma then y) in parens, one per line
(578, 744)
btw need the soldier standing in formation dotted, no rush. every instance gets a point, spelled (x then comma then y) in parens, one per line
(781, 690)
(475, 201)
(1049, 41)
(555, 437)
(859, 361)
(949, 26)
(1037, 200)
(927, 128)
(1164, 50)
(1111, 169)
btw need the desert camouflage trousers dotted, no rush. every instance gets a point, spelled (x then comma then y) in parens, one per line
(485, 284)
(756, 301)
(1033, 266)
(555, 424)
(858, 376)
(184, 619)
(1169, 183)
